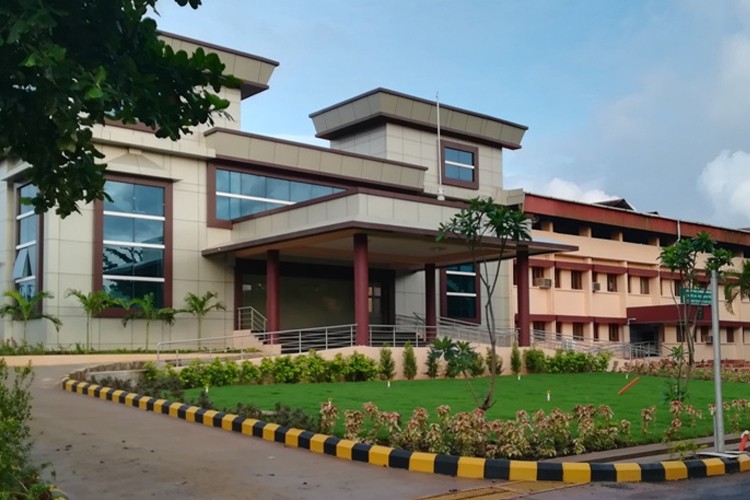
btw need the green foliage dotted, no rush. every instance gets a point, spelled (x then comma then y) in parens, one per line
(737, 285)
(360, 368)
(515, 359)
(576, 362)
(498, 361)
(200, 305)
(24, 308)
(683, 258)
(432, 363)
(386, 365)
(315, 369)
(145, 308)
(684, 449)
(17, 473)
(93, 304)
(286, 371)
(68, 66)
(535, 360)
(409, 362)
(249, 373)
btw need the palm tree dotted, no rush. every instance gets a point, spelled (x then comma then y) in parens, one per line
(25, 308)
(737, 285)
(93, 304)
(199, 306)
(145, 308)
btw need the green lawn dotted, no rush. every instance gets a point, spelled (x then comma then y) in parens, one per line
(530, 393)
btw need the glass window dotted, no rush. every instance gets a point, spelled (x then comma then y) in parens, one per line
(25, 265)
(614, 333)
(578, 331)
(241, 194)
(459, 164)
(133, 250)
(461, 292)
(645, 288)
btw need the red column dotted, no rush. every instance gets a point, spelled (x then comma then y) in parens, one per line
(361, 286)
(272, 293)
(522, 282)
(429, 294)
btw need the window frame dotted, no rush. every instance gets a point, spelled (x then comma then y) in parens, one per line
(613, 331)
(645, 285)
(444, 294)
(449, 181)
(98, 260)
(611, 282)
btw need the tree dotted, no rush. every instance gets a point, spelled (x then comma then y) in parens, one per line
(409, 359)
(93, 304)
(68, 66)
(683, 258)
(199, 306)
(478, 224)
(26, 308)
(737, 285)
(145, 308)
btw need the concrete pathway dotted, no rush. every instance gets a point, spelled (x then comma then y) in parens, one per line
(99, 449)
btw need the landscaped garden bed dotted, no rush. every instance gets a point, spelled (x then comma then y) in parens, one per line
(534, 416)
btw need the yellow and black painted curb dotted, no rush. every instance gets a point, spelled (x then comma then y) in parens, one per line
(467, 467)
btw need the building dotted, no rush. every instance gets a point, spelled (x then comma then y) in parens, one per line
(613, 287)
(308, 236)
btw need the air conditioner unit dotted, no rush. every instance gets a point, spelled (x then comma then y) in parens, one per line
(543, 282)
(596, 286)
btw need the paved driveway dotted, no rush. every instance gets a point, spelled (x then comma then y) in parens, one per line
(104, 450)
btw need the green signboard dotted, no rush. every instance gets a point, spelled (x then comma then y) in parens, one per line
(695, 296)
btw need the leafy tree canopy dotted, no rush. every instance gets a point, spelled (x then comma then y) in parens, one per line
(68, 65)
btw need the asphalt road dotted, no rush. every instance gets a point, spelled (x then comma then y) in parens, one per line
(99, 449)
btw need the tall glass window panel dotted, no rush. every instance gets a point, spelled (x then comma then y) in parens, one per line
(241, 194)
(133, 247)
(461, 292)
(27, 233)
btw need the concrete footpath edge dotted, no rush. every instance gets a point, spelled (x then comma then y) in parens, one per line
(466, 467)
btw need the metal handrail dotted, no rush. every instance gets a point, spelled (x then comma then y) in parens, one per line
(249, 318)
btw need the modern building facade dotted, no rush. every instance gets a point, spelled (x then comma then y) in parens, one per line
(306, 235)
(613, 287)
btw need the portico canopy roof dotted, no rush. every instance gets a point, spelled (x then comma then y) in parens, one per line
(401, 235)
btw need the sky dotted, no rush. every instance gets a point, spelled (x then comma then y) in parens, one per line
(647, 100)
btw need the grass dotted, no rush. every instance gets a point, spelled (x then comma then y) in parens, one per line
(530, 394)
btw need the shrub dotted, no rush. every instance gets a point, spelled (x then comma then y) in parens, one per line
(515, 359)
(286, 371)
(535, 360)
(386, 366)
(410, 362)
(219, 372)
(316, 369)
(498, 361)
(476, 365)
(432, 363)
(17, 473)
(192, 375)
(265, 371)
(249, 373)
(360, 368)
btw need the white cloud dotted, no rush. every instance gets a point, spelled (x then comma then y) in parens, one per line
(568, 190)
(726, 182)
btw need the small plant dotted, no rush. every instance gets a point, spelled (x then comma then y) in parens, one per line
(200, 305)
(515, 359)
(360, 368)
(145, 308)
(25, 308)
(93, 304)
(535, 360)
(648, 416)
(328, 416)
(684, 449)
(410, 362)
(17, 473)
(432, 363)
(386, 366)
(498, 361)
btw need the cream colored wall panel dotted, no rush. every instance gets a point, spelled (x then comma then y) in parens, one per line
(186, 208)
(309, 158)
(380, 208)
(330, 164)
(286, 154)
(185, 264)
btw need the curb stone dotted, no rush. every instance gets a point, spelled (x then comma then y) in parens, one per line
(431, 463)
